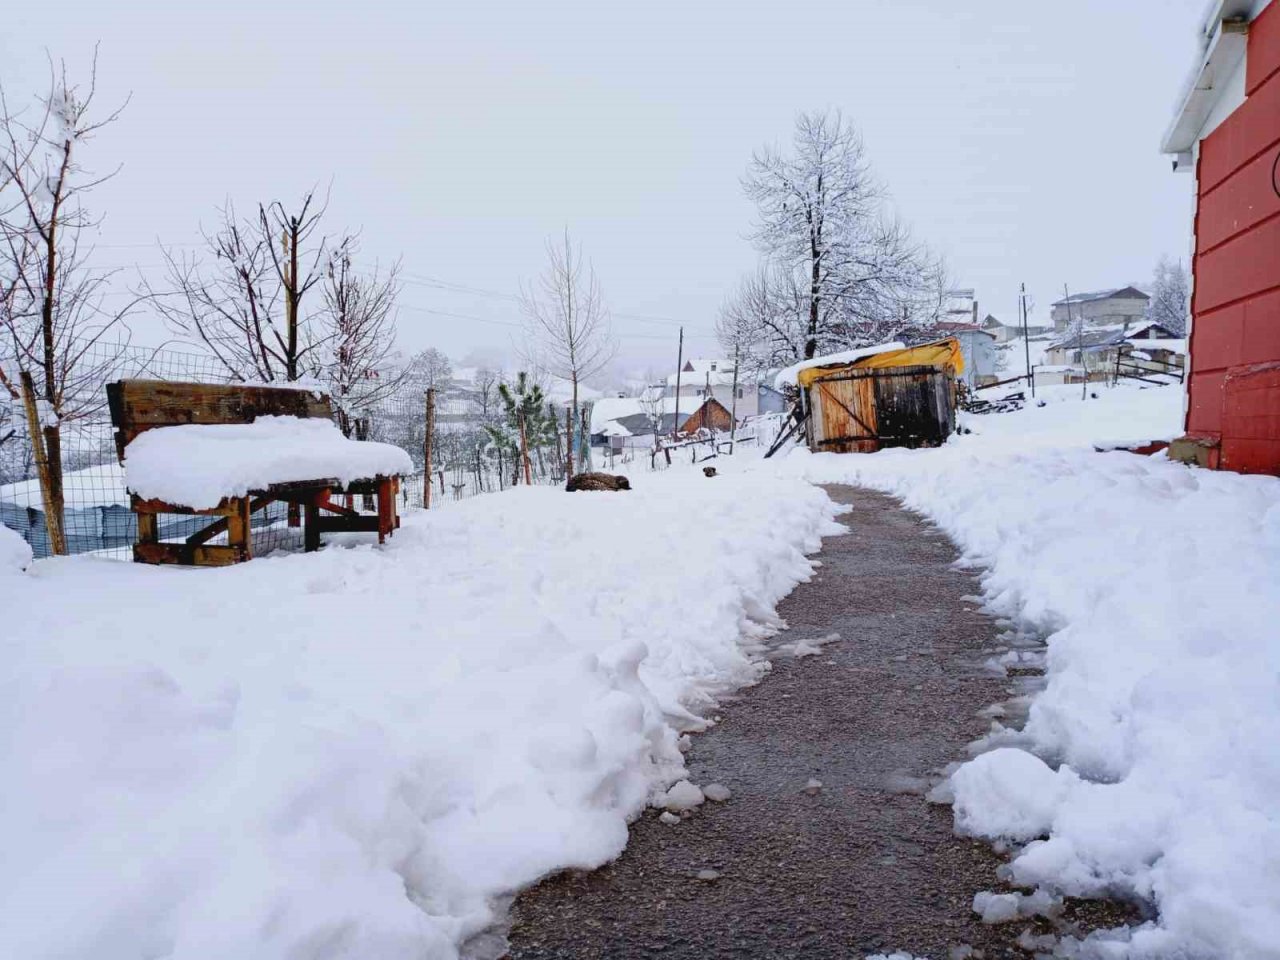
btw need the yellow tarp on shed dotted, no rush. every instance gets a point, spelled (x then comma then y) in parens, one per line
(940, 353)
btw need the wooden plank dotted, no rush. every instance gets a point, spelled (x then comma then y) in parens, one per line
(140, 506)
(360, 523)
(386, 508)
(186, 555)
(220, 525)
(139, 405)
(148, 528)
(239, 535)
(311, 527)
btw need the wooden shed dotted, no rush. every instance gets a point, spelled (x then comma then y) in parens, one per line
(895, 398)
(712, 416)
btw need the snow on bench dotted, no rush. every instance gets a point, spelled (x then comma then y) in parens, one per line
(231, 450)
(198, 465)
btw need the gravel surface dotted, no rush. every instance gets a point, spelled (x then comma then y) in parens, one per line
(858, 865)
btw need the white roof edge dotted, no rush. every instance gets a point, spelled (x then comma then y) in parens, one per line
(1224, 35)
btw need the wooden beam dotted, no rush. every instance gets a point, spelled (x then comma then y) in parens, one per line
(220, 525)
(186, 555)
(239, 531)
(140, 405)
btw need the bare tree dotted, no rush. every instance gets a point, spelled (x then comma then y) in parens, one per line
(57, 335)
(246, 309)
(1170, 296)
(359, 321)
(841, 272)
(567, 322)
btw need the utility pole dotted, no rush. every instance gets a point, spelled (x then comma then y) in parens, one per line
(675, 422)
(1026, 342)
(1084, 367)
(733, 401)
(426, 448)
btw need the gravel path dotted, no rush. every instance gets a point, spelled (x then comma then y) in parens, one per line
(861, 865)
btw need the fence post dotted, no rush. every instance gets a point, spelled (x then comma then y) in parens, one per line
(568, 444)
(426, 451)
(52, 515)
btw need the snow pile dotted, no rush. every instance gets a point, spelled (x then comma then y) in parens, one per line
(1156, 585)
(15, 553)
(348, 754)
(196, 465)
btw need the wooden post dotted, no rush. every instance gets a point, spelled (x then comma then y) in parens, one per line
(52, 510)
(426, 448)
(675, 423)
(733, 399)
(568, 444)
(238, 532)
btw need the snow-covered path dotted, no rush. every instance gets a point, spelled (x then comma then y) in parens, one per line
(889, 690)
(1149, 765)
(347, 754)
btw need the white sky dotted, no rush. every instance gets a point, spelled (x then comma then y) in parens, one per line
(1019, 139)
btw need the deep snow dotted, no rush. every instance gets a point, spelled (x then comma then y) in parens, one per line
(348, 754)
(351, 753)
(1152, 767)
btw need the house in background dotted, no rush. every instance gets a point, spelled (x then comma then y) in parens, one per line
(1101, 308)
(1227, 130)
(977, 345)
(699, 379)
(1092, 353)
(710, 415)
(1004, 334)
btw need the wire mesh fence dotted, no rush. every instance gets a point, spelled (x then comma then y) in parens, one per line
(472, 456)
(475, 451)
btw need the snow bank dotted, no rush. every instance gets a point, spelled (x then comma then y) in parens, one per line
(196, 465)
(348, 754)
(1156, 585)
(15, 553)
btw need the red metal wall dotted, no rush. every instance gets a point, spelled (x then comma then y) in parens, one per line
(1234, 391)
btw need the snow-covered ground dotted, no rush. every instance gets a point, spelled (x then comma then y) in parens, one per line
(1149, 764)
(351, 753)
(348, 754)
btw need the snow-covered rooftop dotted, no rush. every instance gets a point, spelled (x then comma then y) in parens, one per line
(787, 376)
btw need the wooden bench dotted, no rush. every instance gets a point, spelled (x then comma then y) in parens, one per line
(141, 405)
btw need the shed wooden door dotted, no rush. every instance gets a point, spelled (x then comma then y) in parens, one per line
(861, 411)
(847, 414)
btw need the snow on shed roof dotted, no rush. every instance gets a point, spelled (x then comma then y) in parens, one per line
(788, 375)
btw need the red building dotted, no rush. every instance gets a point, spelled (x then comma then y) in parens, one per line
(1227, 130)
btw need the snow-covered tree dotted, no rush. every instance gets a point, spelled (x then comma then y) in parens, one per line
(841, 270)
(359, 336)
(1170, 295)
(59, 340)
(249, 308)
(567, 322)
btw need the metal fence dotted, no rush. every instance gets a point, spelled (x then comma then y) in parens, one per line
(97, 518)
(471, 456)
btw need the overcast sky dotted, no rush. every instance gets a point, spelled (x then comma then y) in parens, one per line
(1021, 140)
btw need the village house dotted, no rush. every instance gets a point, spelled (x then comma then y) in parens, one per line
(1092, 353)
(1226, 131)
(710, 416)
(976, 344)
(699, 379)
(1100, 308)
(1004, 333)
